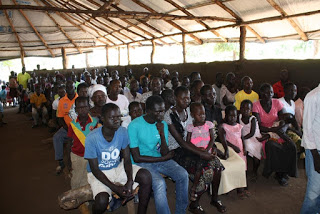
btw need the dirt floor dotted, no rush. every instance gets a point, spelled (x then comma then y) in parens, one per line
(30, 186)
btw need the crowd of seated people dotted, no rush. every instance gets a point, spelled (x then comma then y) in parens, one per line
(124, 131)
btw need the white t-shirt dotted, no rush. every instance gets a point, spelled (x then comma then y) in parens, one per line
(288, 108)
(55, 104)
(123, 104)
(130, 97)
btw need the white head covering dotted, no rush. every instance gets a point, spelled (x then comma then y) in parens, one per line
(94, 88)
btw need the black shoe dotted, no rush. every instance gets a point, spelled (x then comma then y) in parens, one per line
(281, 180)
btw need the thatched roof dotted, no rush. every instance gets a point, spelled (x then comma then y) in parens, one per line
(43, 27)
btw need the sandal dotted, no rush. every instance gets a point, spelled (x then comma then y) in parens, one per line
(196, 210)
(242, 195)
(219, 206)
(126, 200)
(247, 193)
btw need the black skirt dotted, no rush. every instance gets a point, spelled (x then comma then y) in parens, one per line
(280, 158)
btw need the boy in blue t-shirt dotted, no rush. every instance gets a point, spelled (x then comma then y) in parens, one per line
(105, 169)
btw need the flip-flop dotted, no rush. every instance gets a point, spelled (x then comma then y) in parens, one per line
(196, 210)
(219, 206)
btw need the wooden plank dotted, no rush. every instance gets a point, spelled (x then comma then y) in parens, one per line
(34, 29)
(119, 56)
(22, 53)
(291, 21)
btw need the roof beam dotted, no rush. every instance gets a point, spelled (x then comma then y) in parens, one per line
(168, 21)
(131, 24)
(239, 19)
(34, 29)
(74, 24)
(61, 29)
(291, 21)
(108, 26)
(116, 14)
(22, 53)
(199, 21)
(66, 5)
(197, 5)
(97, 32)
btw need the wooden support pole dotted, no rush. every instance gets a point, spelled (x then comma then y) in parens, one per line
(153, 50)
(64, 58)
(184, 47)
(22, 60)
(118, 55)
(107, 55)
(128, 53)
(87, 60)
(243, 33)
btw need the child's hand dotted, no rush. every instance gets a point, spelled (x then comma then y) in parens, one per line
(214, 151)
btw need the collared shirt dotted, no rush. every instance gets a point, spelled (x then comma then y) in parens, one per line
(38, 100)
(64, 107)
(311, 120)
(77, 147)
(213, 114)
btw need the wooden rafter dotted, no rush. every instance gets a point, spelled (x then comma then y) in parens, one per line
(197, 5)
(291, 21)
(170, 22)
(22, 53)
(34, 29)
(72, 23)
(66, 5)
(149, 26)
(61, 29)
(199, 21)
(105, 25)
(232, 13)
(116, 14)
(113, 22)
(97, 32)
(106, 5)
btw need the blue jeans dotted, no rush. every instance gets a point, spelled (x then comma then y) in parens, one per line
(178, 174)
(58, 140)
(311, 203)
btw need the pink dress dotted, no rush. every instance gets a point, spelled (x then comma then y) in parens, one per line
(200, 136)
(233, 135)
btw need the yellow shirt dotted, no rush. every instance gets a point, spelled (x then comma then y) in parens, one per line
(241, 96)
(23, 79)
(38, 100)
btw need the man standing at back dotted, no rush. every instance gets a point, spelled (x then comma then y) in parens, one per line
(23, 78)
(148, 136)
(311, 143)
(64, 120)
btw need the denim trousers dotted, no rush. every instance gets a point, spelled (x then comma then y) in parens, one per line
(58, 140)
(311, 203)
(178, 174)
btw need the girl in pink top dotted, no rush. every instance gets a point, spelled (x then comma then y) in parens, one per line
(201, 134)
(230, 134)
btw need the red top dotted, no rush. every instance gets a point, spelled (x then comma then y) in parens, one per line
(77, 147)
(278, 89)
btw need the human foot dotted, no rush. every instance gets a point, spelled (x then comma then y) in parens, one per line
(218, 204)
